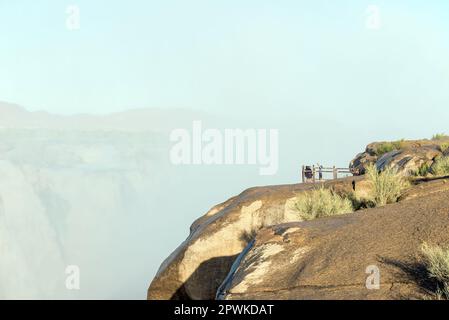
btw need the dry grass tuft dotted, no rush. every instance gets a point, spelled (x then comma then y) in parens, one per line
(441, 167)
(436, 261)
(321, 203)
(387, 186)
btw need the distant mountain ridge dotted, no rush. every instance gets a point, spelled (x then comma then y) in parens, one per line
(147, 119)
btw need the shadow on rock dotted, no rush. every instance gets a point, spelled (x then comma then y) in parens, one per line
(413, 271)
(216, 269)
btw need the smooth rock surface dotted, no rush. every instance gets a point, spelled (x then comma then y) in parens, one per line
(409, 161)
(329, 258)
(200, 264)
(407, 158)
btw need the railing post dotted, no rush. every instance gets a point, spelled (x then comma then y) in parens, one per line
(313, 173)
(335, 173)
(303, 174)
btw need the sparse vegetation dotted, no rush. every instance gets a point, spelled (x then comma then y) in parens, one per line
(441, 167)
(423, 170)
(440, 136)
(436, 261)
(247, 236)
(321, 203)
(386, 147)
(444, 146)
(387, 186)
(263, 222)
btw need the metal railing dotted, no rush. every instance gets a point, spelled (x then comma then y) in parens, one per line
(317, 173)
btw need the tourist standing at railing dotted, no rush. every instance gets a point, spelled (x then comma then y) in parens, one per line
(320, 171)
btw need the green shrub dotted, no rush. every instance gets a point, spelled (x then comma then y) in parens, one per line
(441, 167)
(386, 147)
(440, 136)
(399, 144)
(423, 170)
(321, 203)
(387, 186)
(436, 261)
(444, 146)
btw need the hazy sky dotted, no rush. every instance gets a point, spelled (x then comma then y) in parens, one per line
(260, 63)
(228, 56)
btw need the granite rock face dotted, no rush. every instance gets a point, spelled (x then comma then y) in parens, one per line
(335, 258)
(200, 264)
(409, 161)
(407, 157)
(329, 258)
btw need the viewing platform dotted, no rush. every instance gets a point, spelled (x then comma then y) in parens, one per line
(313, 174)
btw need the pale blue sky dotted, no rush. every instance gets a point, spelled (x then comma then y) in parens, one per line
(261, 63)
(227, 56)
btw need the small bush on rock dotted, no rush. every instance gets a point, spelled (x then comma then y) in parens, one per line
(444, 146)
(441, 167)
(321, 203)
(387, 186)
(422, 171)
(386, 147)
(436, 261)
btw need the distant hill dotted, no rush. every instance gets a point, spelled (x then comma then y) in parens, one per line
(151, 119)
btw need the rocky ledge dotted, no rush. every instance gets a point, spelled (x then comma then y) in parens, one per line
(408, 157)
(332, 258)
(255, 246)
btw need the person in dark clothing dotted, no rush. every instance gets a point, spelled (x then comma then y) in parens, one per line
(308, 172)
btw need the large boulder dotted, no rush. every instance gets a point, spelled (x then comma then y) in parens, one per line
(409, 161)
(359, 164)
(200, 264)
(407, 157)
(334, 258)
